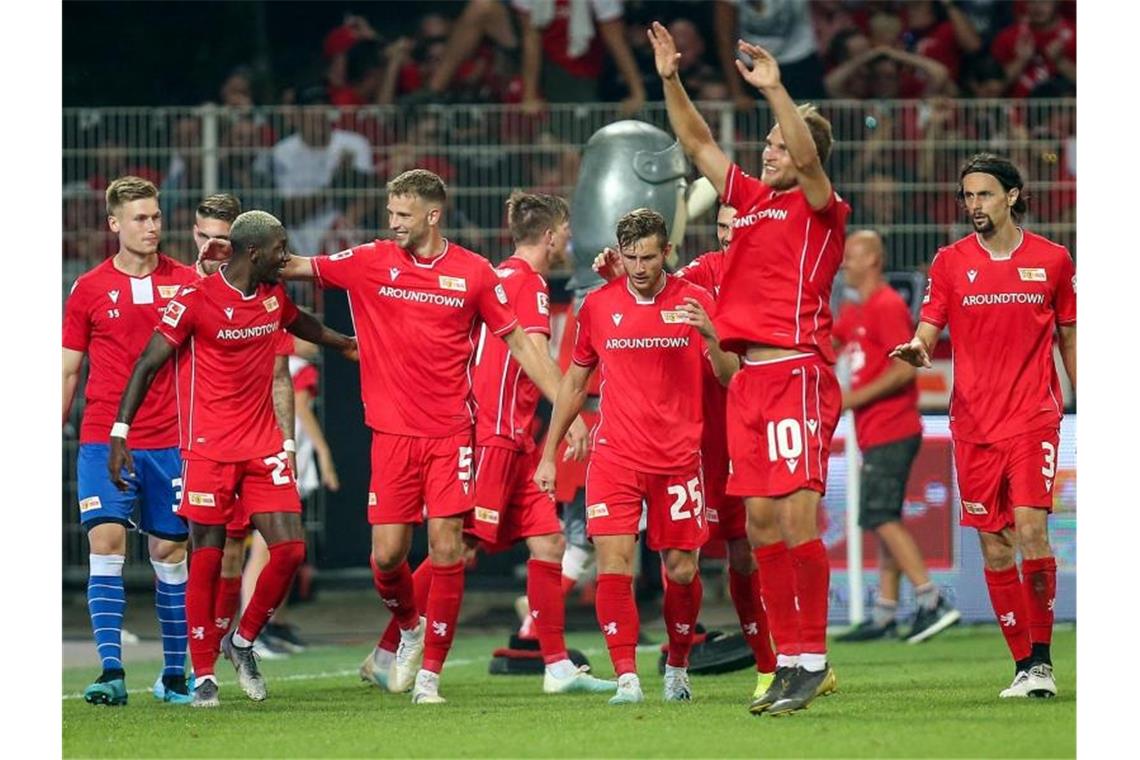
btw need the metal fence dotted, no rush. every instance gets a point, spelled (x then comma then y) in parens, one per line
(322, 171)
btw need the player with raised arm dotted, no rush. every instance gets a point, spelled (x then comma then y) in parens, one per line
(1005, 292)
(110, 315)
(231, 446)
(725, 513)
(418, 302)
(648, 333)
(783, 405)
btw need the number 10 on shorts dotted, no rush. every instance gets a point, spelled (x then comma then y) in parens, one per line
(785, 439)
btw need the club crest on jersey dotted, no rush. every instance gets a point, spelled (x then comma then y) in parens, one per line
(543, 304)
(393, 272)
(167, 291)
(453, 283)
(198, 499)
(114, 294)
(229, 310)
(617, 319)
(342, 255)
(270, 303)
(172, 314)
(972, 274)
(673, 317)
(1033, 274)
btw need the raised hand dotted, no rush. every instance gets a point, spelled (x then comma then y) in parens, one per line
(913, 353)
(608, 265)
(665, 53)
(765, 72)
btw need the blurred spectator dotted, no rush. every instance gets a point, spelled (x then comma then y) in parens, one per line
(783, 28)
(312, 169)
(831, 17)
(1040, 47)
(563, 48)
(337, 43)
(481, 21)
(695, 71)
(940, 31)
(988, 17)
(237, 89)
(884, 73)
(983, 77)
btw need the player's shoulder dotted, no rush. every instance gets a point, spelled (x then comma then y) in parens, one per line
(685, 287)
(467, 257)
(952, 253)
(605, 292)
(1043, 246)
(92, 279)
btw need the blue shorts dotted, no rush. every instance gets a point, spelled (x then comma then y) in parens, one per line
(157, 489)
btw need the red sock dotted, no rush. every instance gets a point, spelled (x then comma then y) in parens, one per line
(421, 582)
(778, 594)
(745, 592)
(617, 617)
(201, 587)
(1008, 601)
(226, 603)
(396, 592)
(547, 608)
(568, 584)
(285, 557)
(682, 605)
(813, 577)
(443, 601)
(1039, 583)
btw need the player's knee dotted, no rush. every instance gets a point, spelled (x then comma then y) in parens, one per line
(1033, 540)
(232, 555)
(388, 558)
(549, 548)
(167, 551)
(445, 543)
(681, 567)
(997, 552)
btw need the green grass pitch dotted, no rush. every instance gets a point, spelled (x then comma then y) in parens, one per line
(937, 699)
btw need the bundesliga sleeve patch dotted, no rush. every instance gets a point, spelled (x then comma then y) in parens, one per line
(501, 294)
(543, 304)
(341, 255)
(172, 314)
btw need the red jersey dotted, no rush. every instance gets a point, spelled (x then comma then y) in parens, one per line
(505, 398)
(1002, 317)
(649, 415)
(780, 267)
(706, 271)
(1039, 69)
(110, 316)
(229, 342)
(869, 331)
(417, 323)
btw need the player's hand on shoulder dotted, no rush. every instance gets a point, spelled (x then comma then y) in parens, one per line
(913, 353)
(212, 254)
(120, 459)
(608, 265)
(577, 441)
(544, 476)
(696, 316)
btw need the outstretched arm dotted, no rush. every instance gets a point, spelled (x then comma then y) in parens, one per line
(568, 403)
(533, 354)
(765, 76)
(307, 327)
(693, 133)
(917, 352)
(157, 352)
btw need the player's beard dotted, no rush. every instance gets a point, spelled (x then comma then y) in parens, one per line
(984, 225)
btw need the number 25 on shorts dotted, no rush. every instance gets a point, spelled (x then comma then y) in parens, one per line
(681, 498)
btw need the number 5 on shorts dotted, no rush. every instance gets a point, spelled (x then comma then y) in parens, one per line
(677, 510)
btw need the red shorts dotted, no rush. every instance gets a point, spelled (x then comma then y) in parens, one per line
(725, 514)
(211, 490)
(781, 416)
(993, 478)
(675, 505)
(412, 476)
(239, 525)
(508, 505)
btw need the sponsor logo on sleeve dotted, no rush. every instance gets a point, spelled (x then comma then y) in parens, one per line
(199, 499)
(453, 283)
(974, 507)
(1031, 274)
(341, 255)
(172, 314)
(501, 294)
(90, 503)
(597, 510)
(926, 294)
(167, 291)
(673, 317)
(543, 304)
(482, 514)
(271, 304)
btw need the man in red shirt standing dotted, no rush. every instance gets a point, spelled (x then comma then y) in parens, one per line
(418, 303)
(648, 333)
(1005, 292)
(231, 445)
(773, 310)
(888, 430)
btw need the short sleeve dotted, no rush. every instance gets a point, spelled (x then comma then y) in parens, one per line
(283, 346)
(699, 272)
(289, 310)
(741, 190)
(76, 320)
(491, 301)
(1065, 297)
(532, 306)
(340, 270)
(178, 317)
(936, 299)
(584, 354)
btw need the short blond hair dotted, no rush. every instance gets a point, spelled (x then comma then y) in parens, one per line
(421, 183)
(126, 189)
(820, 129)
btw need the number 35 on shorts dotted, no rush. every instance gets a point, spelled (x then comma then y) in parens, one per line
(688, 501)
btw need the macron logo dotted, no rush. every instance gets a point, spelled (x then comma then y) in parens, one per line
(394, 272)
(617, 319)
(972, 274)
(114, 296)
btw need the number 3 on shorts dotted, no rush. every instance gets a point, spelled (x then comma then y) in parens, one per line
(1050, 468)
(677, 510)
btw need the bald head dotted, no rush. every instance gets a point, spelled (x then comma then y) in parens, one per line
(863, 258)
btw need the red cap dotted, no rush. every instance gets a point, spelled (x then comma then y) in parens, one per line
(339, 41)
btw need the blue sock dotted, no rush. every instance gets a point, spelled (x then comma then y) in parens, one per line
(106, 601)
(170, 603)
